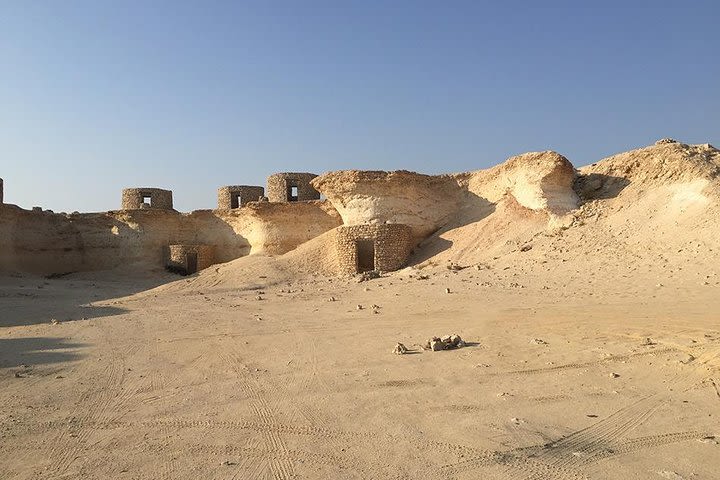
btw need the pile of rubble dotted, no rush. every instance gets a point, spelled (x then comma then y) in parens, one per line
(448, 342)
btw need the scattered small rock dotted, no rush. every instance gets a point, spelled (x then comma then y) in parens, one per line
(664, 141)
(688, 359)
(365, 276)
(538, 341)
(332, 299)
(526, 248)
(447, 290)
(447, 342)
(649, 341)
(711, 439)
(670, 475)
(359, 307)
(400, 349)
(259, 297)
(614, 375)
(55, 321)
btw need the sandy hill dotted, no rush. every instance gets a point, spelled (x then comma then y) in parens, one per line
(654, 208)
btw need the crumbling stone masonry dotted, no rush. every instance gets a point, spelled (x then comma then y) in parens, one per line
(142, 198)
(291, 187)
(188, 259)
(382, 247)
(1, 191)
(235, 196)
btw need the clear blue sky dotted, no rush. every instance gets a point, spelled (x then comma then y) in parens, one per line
(99, 95)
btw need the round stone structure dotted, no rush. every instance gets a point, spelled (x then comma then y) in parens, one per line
(157, 198)
(291, 187)
(188, 259)
(235, 196)
(381, 247)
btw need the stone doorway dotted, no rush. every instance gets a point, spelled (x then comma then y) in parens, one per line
(192, 262)
(365, 250)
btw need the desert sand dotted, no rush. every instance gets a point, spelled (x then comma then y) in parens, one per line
(589, 304)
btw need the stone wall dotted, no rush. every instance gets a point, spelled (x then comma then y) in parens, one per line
(43, 242)
(178, 258)
(279, 186)
(133, 199)
(1, 191)
(392, 244)
(235, 196)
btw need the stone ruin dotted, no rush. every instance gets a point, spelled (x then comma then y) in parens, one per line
(1, 191)
(373, 247)
(235, 196)
(291, 187)
(189, 259)
(146, 198)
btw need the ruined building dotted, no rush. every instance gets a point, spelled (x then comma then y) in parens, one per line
(235, 196)
(188, 259)
(291, 187)
(381, 247)
(142, 198)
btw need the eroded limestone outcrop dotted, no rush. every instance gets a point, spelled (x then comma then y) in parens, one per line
(44, 242)
(423, 202)
(539, 181)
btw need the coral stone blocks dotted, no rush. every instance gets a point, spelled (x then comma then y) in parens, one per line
(381, 247)
(235, 196)
(291, 187)
(144, 198)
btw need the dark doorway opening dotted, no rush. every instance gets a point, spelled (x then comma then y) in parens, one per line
(235, 200)
(191, 262)
(292, 192)
(365, 250)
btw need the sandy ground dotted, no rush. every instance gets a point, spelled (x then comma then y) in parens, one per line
(564, 377)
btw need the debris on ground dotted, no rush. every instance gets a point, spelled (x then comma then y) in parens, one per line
(447, 342)
(400, 349)
(365, 276)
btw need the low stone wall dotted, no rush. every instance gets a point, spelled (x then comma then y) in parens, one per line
(179, 258)
(391, 245)
(133, 199)
(279, 186)
(235, 196)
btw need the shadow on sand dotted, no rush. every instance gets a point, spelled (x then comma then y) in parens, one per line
(34, 351)
(31, 300)
(596, 186)
(474, 209)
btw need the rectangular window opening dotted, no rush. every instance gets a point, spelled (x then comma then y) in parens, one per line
(292, 192)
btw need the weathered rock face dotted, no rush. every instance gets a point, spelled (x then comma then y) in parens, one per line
(45, 242)
(537, 180)
(667, 162)
(423, 202)
(541, 181)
